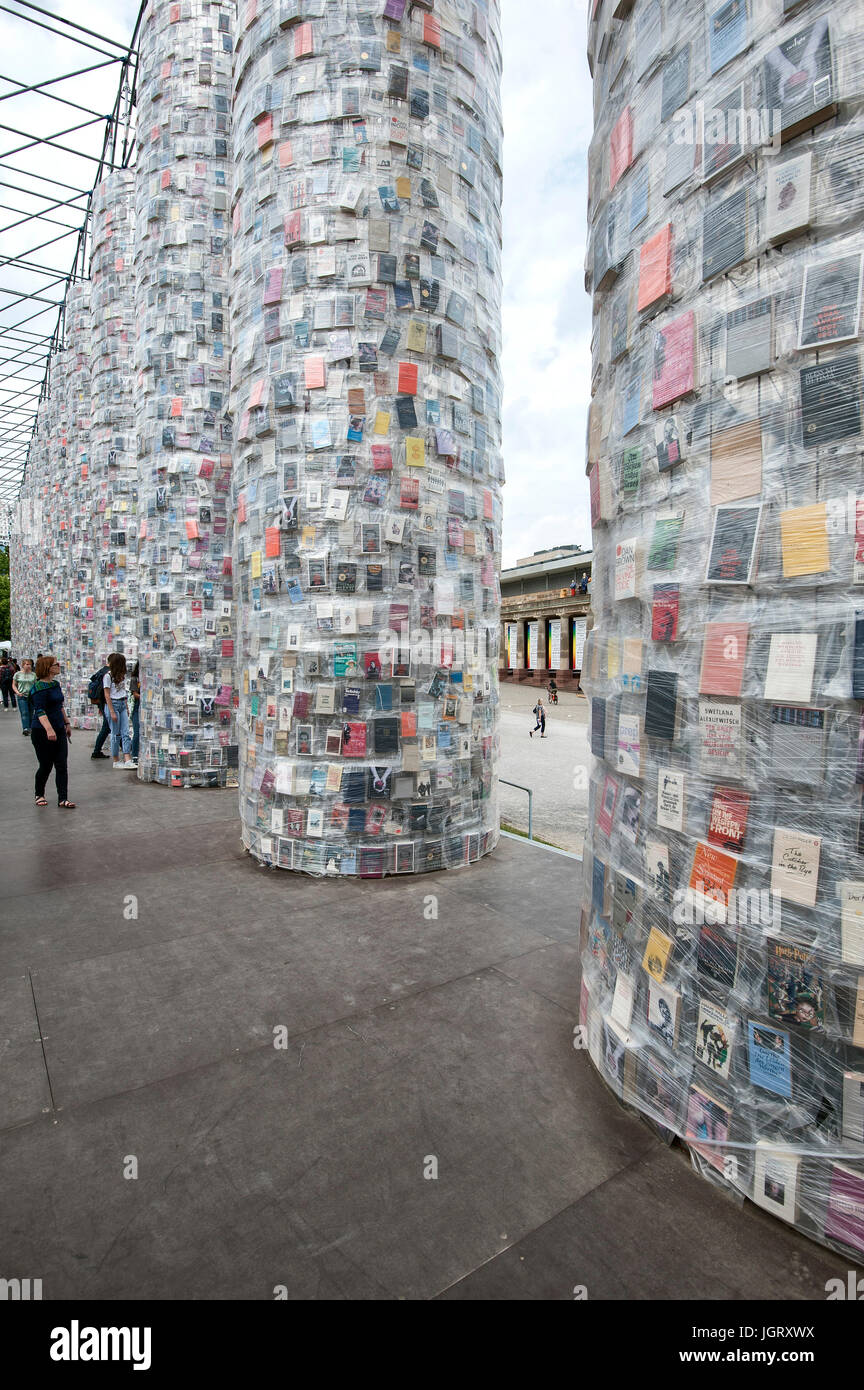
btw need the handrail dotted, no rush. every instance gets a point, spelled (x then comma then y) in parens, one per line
(518, 785)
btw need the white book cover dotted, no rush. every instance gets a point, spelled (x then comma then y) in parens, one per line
(795, 866)
(664, 1010)
(853, 1106)
(791, 661)
(629, 741)
(787, 197)
(775, 1179)
(622, 1000)
(626, 577)
(720, 737)
(851, 922)
(670, 798)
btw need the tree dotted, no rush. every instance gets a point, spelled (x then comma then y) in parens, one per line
(5, 614)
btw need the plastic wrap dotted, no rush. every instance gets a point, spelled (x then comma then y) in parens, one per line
(183, 191)
(366, 398)
(723, 920)
(77, 535)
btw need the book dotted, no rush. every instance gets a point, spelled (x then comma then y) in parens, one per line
(608, 802)
(717, 955)
(750, 338)
(670, 798)
(661, 704)
(720, 738)
(795, 865)
(851, 921)
(622, 1000)
(853, 1106)
(629, 744)
(830, 401)
(791, 662)
(714, 1037)
(775, 1179)
(631, 469)
(615, 1042)
(787, 197)
(707, 1125)
(712, 878)
(632, 403)
(674, 359)
(724, 234)
(658, 950)
(736, 462)
(723, 131)
(858, 658)
(727, 33)
(620, 146)
(669, 442)
(659, 1089)
(598, 727)
(831, 301)
(770, 1058)
(618, 329)
(675, 82)
(724, 651)
(798, 79)
(732, 553)
(626, 567)
(798, 744)
(655, 268)
(663, 550)
(804, 540)
(794, 985)
(664, 613)
(727, 823)
(664, 1012)
(844, 1218)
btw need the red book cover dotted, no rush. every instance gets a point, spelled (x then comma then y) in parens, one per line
(728, 825)
(608, 803)
(674, 360)
(655, 267)
(620, 147)
(664, 613)
(354, 746)
(723, 654)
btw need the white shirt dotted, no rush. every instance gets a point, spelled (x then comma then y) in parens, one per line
(117, 692)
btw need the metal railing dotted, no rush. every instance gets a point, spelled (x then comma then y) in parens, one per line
(518, 785)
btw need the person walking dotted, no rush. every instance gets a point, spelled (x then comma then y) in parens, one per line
(540, 715)
(135, 696)
(553, 691)
(6, 674)
(50, 732)
(96, 693)
(22, 684)
(117, 710)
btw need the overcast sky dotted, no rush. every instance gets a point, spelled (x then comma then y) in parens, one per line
(547, 315)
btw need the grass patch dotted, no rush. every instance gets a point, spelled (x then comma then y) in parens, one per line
(523, 834)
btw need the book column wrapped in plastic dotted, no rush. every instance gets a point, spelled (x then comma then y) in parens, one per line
(183, 178)
(723, 907)
(365, 393)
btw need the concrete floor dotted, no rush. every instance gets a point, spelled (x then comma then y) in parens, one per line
(148, 1041)
(556, 767)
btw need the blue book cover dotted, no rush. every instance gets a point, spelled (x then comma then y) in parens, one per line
(728, 26)
(770, 1059)
(639, 199)
(632, 404)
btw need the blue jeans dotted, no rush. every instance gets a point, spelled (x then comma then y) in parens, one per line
(136, 732)
(25, 712)
(120, 731)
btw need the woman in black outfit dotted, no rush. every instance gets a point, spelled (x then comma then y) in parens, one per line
(50, 731)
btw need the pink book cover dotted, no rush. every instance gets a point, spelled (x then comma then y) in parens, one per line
(273, 286)
(723, 654)
(674, 360)
(620, 147)
(608, 803)
(844, 1220)
(655, 268)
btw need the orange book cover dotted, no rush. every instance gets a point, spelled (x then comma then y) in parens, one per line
(313, 368)
(409, 723)
(655, 267)
(723, 653)
(272, 542)
(713, 873)
(407, 382)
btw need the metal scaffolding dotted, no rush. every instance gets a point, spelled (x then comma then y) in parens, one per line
(57, 147)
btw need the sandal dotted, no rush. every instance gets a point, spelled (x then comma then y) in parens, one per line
(66, 805)
(40, 801)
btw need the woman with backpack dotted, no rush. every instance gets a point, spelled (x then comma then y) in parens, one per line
(22, 684)
(135, 695)
(50, 733)
(117, 710)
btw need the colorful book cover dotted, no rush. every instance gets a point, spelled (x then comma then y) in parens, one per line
(844, 1220)
(714, 1037)
(712, 877)
(663, 550)
(794, 984)
(664, 613)
(707, 1127)
(608, 802)
(655, 267)
(674, 360)
(657, 952)
(770, 1059)
(733, 544)
(724, 652)
(727, 826)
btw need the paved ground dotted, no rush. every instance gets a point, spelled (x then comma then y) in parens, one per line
(556, 767)
(147, 1042)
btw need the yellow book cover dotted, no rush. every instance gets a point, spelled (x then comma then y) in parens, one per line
(255, 559)
(804, 538)
(416, 338)
(657, 953)
(613, 657)
(403, 187)
(415, 452)
(382, 422)
(631, 664)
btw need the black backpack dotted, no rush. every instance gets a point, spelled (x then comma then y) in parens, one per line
(95, 689)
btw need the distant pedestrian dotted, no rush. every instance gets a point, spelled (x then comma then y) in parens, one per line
(135, 710)
(50, 732)
(6, 673)
(540, 715)
(22, 684)
(117, 710)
